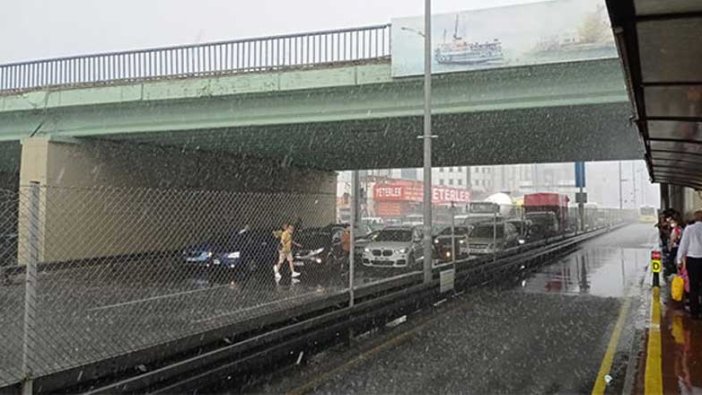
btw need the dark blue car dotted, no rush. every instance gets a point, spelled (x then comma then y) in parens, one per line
(245, 250)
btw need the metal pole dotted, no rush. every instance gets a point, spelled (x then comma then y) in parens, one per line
(453, 234)
(30, 289)
(494, 237)
(641, 188)
(581, 211)
(633, 182)
(427, 143)
(665, 197)
(352, 247)
(621, 202)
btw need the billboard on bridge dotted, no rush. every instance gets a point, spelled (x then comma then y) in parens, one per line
(527, 34)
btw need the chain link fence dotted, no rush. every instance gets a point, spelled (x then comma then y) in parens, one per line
(94, 273)
(11, 295)
(120, 270)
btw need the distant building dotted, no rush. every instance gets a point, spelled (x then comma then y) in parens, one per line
(517, 180)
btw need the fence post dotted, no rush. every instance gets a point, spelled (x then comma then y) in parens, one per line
(354, 223)
(30, 289)
(494, 236)
(453, 233)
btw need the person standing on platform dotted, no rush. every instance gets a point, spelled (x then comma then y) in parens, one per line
(690, 257)
(676, 232)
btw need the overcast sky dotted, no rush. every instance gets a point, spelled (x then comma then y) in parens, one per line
(34, 29)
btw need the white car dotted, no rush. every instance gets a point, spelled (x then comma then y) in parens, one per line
(394, 247)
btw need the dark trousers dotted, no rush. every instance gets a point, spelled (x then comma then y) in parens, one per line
(694, 273)
(670, 264)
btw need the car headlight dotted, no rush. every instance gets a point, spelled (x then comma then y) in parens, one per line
(366, 250)
(234, 255)
(208, 253)
(402, 250)
(317, 251)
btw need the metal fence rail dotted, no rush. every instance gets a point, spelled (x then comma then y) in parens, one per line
(237, 56)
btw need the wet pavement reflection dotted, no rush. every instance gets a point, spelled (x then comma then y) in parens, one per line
(606, 267)
(681, 341)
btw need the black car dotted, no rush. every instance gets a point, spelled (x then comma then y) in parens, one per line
(321, 248)
(443, 245)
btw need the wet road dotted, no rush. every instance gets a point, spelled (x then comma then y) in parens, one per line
(545, 333)
(87, 314)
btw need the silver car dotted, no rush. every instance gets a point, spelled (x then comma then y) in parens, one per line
(394, 247)
(488, 238)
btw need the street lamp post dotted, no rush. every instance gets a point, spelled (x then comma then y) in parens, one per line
(633, 181)
(427, 143)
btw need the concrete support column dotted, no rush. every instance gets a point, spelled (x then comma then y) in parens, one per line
(676, 196)
(691, 202)
(102, 198)
(665, 196)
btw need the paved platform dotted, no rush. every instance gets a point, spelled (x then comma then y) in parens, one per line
(671, 354)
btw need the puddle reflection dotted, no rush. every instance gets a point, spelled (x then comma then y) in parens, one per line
(600, 271)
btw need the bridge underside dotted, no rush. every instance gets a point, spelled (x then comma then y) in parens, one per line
(349, 117)
(537, 135)
(594, 132)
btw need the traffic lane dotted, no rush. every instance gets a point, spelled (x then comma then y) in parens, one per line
(122, 282)
(530, 338)
(600, 271)
(90, 313)
(609, 265)
(637, 235)
(509, 342)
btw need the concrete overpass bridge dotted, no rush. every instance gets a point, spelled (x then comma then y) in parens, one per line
(281, 114)
(321, 100)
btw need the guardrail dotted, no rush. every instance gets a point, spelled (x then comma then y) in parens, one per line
(236, 56)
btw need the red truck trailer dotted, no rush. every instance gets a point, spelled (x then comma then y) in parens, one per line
(548, 203)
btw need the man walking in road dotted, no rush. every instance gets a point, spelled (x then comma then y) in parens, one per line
(285, 252)
(690, 257)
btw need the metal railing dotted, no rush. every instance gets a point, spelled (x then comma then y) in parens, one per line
(237, 56)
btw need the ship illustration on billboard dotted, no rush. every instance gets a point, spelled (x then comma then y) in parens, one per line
(537, 33)
(459, 51)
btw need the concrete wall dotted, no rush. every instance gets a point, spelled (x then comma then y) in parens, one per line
(685, 200)
(101, 198)
(692, 202)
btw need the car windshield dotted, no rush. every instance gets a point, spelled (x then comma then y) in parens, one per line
(371, 236)
(487, 231)
(312, 238)
(482, 208)
(457, 230)
(394, 235)
(544, 219)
